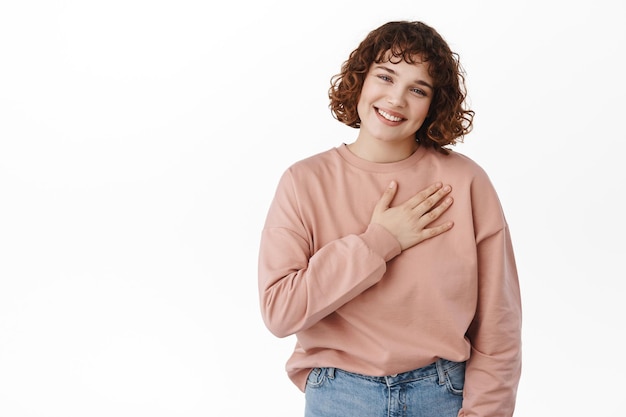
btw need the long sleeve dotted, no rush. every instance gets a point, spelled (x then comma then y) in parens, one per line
(298, 287)
(494, 367)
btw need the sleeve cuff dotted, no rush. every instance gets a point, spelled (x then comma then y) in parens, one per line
(381, 242)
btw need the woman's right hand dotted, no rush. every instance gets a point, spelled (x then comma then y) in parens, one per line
(408, 221)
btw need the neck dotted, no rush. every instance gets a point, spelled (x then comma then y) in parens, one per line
(383, 152)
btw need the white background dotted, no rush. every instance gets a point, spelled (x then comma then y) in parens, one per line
(140, 146)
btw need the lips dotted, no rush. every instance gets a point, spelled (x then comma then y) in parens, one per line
(388, 116)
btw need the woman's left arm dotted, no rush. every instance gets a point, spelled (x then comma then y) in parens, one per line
(494, 368)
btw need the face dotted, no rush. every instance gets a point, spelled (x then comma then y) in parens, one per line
(394, 102)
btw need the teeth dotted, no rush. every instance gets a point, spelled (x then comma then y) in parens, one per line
(388, 116)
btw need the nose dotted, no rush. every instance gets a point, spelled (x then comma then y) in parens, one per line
(396, 97)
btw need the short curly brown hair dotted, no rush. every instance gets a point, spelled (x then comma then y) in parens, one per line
(448, 120)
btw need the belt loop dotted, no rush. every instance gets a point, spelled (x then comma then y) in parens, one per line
(331, 373)
(441, 373)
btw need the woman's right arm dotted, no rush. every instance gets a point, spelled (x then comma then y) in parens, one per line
(297, 287)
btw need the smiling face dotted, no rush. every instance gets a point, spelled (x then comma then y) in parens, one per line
(393, 105)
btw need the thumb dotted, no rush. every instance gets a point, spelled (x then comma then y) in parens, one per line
(387, 197)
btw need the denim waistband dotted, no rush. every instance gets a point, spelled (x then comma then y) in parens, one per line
(439, 368)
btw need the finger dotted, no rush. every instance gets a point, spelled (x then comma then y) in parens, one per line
(436, 212)
(426, 199)
(437, 230)
(387, 197)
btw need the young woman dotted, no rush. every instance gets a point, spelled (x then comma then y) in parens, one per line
(390, 257)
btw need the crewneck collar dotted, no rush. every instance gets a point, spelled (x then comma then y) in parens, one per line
(366, 165)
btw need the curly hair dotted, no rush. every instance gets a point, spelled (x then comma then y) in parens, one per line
(448, 120)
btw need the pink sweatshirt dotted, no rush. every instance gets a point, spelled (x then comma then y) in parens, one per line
(356, 302)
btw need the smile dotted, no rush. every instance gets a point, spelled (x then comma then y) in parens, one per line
(388, 116)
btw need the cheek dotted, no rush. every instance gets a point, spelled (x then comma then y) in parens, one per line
(361, 107)
(423, 110)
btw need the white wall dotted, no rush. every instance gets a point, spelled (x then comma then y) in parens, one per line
(140, 144)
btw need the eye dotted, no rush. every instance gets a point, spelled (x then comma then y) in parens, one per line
(384, 77)
(419, 92)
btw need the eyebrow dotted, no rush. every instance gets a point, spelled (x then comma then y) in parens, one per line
(391, 71)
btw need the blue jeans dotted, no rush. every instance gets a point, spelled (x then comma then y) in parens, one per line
(435, 390)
